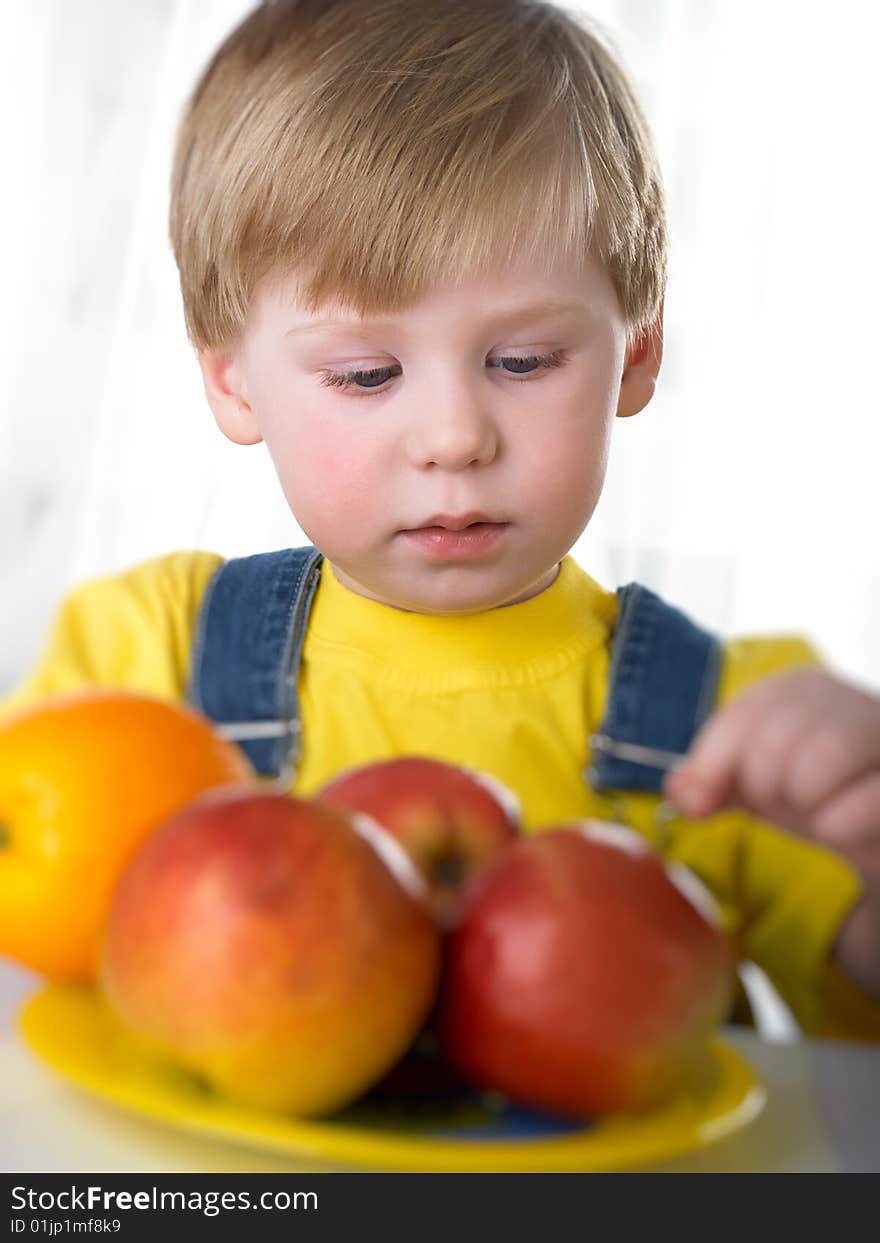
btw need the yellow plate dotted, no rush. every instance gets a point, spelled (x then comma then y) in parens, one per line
(69, 1028)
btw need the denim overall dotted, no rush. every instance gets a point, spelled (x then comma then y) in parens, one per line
(249, 639)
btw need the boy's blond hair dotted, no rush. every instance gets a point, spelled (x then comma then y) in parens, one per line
(379, 146)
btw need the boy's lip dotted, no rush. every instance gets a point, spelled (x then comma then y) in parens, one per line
(466, 542)
(455, 522)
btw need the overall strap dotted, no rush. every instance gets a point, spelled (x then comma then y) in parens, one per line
(248, 645)
(662, 684)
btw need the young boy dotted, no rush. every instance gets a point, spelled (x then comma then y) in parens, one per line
(422, 255)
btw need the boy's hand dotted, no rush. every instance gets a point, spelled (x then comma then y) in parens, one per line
(800, 749)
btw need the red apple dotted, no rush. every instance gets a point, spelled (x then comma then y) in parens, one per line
(282, 949)
(583, 977)
(452, 820)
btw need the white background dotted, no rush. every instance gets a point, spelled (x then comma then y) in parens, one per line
(747, 491)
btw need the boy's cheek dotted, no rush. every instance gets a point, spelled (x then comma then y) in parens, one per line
(303, 447)
(327, 480)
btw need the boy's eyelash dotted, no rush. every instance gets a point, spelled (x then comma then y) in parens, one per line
(352, 379)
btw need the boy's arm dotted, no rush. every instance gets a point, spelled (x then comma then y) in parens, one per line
(799, 901)
(845, 1012)
(129, 631)
(784, 901)
(802, 751)
(801, 898)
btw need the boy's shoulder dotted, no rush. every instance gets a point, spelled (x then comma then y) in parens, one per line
(749, 658)
(130, 629)
(744, 658)
(178, 577)
(156, 595)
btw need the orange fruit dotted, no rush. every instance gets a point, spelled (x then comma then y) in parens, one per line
(84, 778)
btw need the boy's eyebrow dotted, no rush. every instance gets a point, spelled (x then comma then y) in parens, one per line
(540, 310)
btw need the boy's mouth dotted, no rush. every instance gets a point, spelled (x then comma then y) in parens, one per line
(456, 522)
(453, 537)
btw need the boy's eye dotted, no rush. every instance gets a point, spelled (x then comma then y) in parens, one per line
(525, 364)
(359, 379)
(511, 364)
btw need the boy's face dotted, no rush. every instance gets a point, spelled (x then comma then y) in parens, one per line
(491, 400)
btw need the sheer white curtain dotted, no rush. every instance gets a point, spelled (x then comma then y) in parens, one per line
(747, 490)
(749, 486)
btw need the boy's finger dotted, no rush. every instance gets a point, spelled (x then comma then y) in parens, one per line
(708, 778)
(723, 768)
(831, 758)
(852, 815)
(773, 746)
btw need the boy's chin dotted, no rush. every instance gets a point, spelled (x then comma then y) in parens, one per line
(453, 591)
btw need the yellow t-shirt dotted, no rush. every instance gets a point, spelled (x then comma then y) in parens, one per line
(515, 692)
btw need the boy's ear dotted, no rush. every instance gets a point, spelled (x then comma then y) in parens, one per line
(643, 357)
(227, 396)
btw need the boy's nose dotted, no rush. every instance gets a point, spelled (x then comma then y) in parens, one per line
(453, 430)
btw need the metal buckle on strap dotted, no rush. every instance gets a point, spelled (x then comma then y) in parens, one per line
(251, 731)
(665, 813)
(633, 753)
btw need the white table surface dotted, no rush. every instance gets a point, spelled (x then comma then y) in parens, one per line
(822, 1114)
